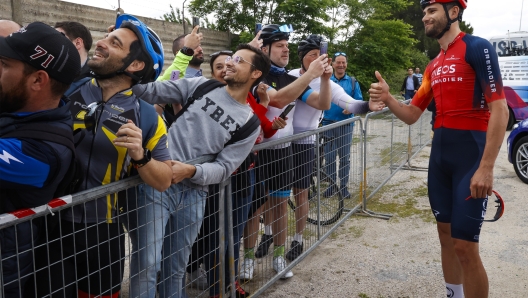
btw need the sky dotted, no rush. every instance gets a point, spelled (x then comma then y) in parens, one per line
(488, 17)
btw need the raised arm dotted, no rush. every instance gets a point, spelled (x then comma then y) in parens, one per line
(380, 92)
(281, 98)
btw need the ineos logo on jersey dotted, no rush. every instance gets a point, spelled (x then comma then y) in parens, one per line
(445, 69)
(444, 74)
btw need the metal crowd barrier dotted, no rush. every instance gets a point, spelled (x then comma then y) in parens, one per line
(334, 187)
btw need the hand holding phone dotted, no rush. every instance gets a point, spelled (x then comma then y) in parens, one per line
(258, 27)
(286, 111)
(196, 22)
(323, 48)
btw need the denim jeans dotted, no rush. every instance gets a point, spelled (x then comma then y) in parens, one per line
(409, 94)
(241, 205)
(168, 224)
(338, 142)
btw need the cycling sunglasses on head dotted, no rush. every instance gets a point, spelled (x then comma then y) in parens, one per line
(340, 54)
(500, 208)
(226, 52)
(285, 29)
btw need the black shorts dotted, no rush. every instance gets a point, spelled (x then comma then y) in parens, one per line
(303, 162)
(455, 156)
(275, 170)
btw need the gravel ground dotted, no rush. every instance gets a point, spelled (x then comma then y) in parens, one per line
(369, 257)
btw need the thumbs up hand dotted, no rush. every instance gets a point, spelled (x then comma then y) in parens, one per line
(379, 92)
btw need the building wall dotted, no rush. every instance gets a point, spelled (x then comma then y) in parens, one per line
(97, 21)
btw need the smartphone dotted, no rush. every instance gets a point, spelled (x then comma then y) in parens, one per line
(175, 75)
(324, 47)
(196, 22)
(258, 27)
(286, 111)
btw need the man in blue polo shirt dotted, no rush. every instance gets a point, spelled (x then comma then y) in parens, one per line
(338, 140)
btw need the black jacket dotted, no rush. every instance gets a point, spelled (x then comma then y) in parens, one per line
(19, 190)
(415, 81)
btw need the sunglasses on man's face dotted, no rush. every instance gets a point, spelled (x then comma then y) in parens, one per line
(237, 59)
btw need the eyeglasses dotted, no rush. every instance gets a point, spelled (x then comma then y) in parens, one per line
(237, 59)
(229, 53)
(340, 54)
(92, 115)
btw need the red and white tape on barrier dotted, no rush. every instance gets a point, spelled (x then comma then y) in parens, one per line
(8, 217)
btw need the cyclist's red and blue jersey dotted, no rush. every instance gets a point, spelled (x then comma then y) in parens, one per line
(463, 80)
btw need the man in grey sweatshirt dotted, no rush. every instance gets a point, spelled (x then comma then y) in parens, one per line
(204, 128)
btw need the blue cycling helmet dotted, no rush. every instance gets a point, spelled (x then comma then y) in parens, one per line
(150, 44)
(272, 33)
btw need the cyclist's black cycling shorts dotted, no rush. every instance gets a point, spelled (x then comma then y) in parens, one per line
(455, 156)
(303, 162)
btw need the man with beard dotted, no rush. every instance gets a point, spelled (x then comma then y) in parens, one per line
(188, 56)
(469, 128)
(37, 64)
(110, 146)
(203, 129)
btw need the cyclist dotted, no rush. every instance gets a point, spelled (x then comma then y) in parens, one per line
(109, 144)
(306, 118)
(275, 163)
(469, 128)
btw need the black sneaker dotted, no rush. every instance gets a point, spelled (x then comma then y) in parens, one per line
(265, 242)
(296, 250)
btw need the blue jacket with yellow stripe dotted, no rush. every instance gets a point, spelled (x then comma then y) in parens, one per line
(100, 160)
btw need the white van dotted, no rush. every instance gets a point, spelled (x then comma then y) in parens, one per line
(513, 61)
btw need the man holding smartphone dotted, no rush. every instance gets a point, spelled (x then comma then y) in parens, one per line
(275, 164)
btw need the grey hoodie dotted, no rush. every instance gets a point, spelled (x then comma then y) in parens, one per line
(204, 128)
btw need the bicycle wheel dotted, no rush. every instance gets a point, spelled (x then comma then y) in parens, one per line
(331, 206)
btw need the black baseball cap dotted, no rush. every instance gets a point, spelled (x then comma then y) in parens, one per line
(44, 48)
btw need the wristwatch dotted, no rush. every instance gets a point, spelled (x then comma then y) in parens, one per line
(187, 51)
(147, 156)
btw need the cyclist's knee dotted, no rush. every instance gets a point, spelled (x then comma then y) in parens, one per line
(466, 251)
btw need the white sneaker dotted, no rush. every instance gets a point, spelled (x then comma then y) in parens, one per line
(198, 279)
(279, 264)
(246, 272)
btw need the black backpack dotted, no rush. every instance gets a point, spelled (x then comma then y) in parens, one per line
(243, 132)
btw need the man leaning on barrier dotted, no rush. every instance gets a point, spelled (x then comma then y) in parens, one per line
(204, 128)
(469, 128)
(37, 64)
(117, 136)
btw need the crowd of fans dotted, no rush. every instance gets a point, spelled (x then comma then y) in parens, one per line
(71, 122)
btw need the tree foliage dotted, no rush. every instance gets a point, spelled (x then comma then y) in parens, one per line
(384, 35)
